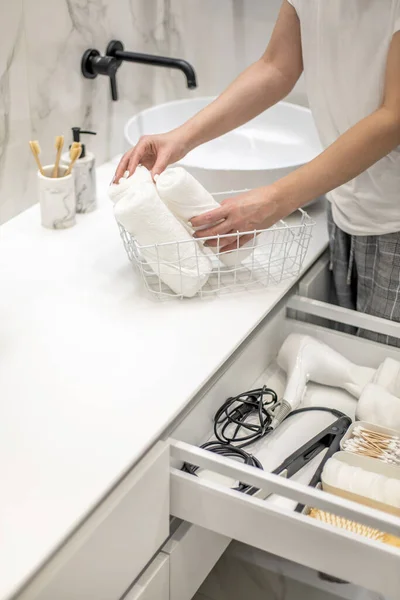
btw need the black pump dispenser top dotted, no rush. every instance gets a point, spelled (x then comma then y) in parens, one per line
(76, 136)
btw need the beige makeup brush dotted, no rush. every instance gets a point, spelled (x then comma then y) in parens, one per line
(59, 146)
(36, 152)
(74, 154)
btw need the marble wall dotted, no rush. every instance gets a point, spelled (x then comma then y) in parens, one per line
(42, 93)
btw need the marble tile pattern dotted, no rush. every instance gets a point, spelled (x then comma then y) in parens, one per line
(42, 92)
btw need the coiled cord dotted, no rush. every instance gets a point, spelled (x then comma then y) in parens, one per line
(232, 423)
(246, 418)
(230, 452)
(234, 416)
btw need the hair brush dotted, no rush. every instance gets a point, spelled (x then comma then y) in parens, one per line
(353, 527)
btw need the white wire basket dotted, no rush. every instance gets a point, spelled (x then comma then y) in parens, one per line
(271, 256)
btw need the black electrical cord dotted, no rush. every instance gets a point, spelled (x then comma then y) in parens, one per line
(232, 423)
(234, 413)
(233, 417)
(230, 452)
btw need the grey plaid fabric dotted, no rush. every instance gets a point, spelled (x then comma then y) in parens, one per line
(366, 275)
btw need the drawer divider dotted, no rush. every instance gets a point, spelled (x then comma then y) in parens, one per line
(344, 316)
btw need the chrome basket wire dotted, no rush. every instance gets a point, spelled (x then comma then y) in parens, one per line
(277, 254)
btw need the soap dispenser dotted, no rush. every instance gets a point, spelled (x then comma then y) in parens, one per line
(84, 174)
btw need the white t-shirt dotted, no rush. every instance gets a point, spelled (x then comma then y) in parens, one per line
(345, 46)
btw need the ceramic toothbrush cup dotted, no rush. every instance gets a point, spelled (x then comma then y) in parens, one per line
(57, 198)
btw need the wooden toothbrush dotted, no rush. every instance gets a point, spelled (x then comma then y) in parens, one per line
(74, 154)
(36, 152)
(59, 146)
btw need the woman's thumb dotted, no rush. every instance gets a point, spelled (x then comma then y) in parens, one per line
(159, 166)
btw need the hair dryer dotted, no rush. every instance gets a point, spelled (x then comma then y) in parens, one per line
(305, 359)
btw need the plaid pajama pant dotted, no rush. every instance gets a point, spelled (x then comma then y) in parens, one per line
(366, 275)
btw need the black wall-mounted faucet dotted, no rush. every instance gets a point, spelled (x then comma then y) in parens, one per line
(94, 64)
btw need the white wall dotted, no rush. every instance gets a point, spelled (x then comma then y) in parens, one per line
(42, 92)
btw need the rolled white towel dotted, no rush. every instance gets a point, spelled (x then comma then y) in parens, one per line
(388, 376)
(140, 176)
(357, 480)
(183, 267)
(376, 405)
(187, 198)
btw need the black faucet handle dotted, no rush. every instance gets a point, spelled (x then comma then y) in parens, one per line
(113, 86)
(87, 64)
(94, 64)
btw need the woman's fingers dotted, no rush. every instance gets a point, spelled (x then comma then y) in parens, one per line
(160, 165)
(132, 158)
(136, 156)
(221, 229)
(122, 167)
(208, 219)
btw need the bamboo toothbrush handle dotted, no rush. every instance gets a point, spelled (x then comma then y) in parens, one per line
(75, 153)
(71, 164)
(39, 165)
(59, 147)
(57, 163)
(36, 157)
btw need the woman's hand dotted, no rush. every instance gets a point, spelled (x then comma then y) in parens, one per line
(257, 209)
(155, 152)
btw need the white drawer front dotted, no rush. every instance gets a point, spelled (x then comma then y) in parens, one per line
(283, 532)
(154, 583)
(193, 552)
(117, 540)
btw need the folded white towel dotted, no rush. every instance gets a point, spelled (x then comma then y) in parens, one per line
(388, 376)
(376, 405)
(183, 267)
(187, 198)
(141, 175)
(357, 480)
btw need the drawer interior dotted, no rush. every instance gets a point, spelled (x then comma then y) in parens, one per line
(254, 365)
(197, 428)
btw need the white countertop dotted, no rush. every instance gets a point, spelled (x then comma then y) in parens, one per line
(84, 355)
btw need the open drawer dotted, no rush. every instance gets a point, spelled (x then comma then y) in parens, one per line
(266, 522)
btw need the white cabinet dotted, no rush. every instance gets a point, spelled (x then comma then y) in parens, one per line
(109, 550)
(106, 554)
(154, 583)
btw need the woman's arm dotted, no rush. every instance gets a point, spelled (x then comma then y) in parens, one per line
(353, 153)
(259, 87)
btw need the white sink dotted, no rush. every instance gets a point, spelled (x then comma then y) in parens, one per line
(258, 153)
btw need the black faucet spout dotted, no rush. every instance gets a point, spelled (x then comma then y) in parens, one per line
(160, 61)
(94, 64)
(115, 50)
